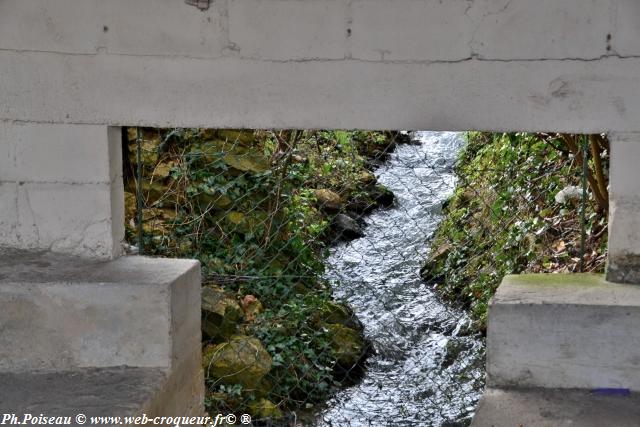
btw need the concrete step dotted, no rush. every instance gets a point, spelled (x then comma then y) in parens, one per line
(120, 391)
(564, 331)
(556, 408)
(78, 319)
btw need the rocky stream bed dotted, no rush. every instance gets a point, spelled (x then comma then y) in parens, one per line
(427, 368)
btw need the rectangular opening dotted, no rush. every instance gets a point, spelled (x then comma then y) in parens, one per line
(346, 274)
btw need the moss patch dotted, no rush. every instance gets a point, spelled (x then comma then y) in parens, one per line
(503, 218)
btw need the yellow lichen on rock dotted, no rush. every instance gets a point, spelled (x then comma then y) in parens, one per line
(243, 360)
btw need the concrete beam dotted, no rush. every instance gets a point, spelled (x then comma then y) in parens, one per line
(559, 95)
(61, 188)
(541, 65)
(623, 263)
(564, 331)
(287, 30)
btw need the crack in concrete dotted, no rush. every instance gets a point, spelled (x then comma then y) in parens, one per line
(105, 184)
(346, 59)
(472, 42)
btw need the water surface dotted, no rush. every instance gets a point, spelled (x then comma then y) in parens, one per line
(427, 370)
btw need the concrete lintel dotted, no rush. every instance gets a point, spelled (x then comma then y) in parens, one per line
(564, 331)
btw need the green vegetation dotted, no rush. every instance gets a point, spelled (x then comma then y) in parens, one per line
(258, 209)
(504, 217)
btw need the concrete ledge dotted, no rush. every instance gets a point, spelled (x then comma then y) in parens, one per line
(93, 392)
(115, 392)
(555, 408)
(64, 313)
(564, 331)
(119, 337)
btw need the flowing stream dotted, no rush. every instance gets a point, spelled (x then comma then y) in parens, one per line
(428, 366)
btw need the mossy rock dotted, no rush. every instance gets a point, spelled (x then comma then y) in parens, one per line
(155, 227)
(153, 191)
(162, 170)
(264, 409)
(169, 213)
(247, 162)
(245, 223)
(251, 306)
(244, 137)
(431, 271)
(366, 178)
(301, 289)
(130, 205)
(218, 149)
(242, 360)
(382, 195)
(210, 150)
(348, 346)
(369, 198)
(221, 313)
(338, 313)
(328, 200)
(153, 222)
(148, 152)
(215, 199)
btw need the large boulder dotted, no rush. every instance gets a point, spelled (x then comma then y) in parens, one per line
(221, 313)
(242, 360)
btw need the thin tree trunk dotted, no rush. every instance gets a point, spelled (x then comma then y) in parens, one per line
(597, 165)
(601, 201)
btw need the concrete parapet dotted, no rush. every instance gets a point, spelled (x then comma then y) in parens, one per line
(564, 331)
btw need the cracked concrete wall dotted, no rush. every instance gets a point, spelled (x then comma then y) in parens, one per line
(61, 188)
(527, 65)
